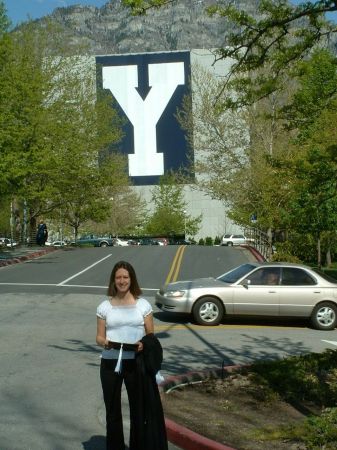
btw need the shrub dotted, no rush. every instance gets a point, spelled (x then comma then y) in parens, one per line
(208, 241)
(201, 241)
(284, 253)
(321, 431)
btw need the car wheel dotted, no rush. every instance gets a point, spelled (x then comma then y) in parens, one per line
(208, 311)
(324, 316)
(103, 244)
(230, 244)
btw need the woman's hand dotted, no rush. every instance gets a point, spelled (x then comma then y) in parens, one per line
(140, 346)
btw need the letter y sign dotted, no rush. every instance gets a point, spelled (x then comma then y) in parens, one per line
(123, 82)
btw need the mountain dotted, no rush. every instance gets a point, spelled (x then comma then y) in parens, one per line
(112, 29)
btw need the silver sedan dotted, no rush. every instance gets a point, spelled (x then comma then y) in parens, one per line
(256, 289)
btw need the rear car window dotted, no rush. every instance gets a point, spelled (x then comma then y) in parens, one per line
(293, 276)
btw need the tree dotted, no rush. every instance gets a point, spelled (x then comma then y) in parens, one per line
(4, 20)
(317, 89)
(127, 213)
(169, 214)
(219, 139)
(234, 152)
(274, 40)
(53, 126)
(313, 208)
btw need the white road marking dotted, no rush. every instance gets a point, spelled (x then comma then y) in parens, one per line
(66, 285)
(330, 342)
(82, 271)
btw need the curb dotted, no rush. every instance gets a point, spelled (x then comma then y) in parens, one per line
(178, 434)
(28, 256)
(256, 254)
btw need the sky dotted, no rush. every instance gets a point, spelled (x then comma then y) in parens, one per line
(19, 10)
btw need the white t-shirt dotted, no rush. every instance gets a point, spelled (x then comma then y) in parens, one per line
(124, 323)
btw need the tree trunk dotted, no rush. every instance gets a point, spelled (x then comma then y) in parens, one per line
(328, 257)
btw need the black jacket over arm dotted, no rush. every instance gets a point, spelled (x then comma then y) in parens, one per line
(151, 414)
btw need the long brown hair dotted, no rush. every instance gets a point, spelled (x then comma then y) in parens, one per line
(134, 286)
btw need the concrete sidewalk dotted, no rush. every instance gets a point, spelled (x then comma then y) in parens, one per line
(9, 256)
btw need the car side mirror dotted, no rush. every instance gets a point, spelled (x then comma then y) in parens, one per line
(246, 283)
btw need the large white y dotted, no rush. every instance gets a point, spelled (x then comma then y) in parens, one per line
(144, 114)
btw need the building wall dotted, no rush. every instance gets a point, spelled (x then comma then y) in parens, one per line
(122, 74)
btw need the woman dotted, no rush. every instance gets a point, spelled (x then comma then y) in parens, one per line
(123, 319)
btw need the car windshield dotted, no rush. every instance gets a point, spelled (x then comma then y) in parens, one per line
(325, 276)
(234, 275)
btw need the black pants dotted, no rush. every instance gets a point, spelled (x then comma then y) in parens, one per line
(112, 387)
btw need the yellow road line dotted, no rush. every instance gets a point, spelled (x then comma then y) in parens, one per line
(176, 264)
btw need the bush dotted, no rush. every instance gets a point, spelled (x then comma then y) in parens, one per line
(321, 431)
(284, 253)
(201, 241)
(208, 241)
(217, 240)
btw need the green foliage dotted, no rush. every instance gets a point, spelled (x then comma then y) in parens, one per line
(321, 432)
(317, 90)
(201, 241)
(310, 378)
(217, 240)
(283, 253)
(170, 216)
(54, 127)
(4, 20)
(208, 240)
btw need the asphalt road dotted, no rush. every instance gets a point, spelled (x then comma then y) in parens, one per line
(50, 396)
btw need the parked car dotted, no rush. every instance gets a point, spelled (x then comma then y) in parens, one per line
(133, 242)
(96, 241)
(183, 242)
(56, 243)
(148, 241)
(7, 242)
(120, 242)
(234, 239)
(256, 289)
(161, 241)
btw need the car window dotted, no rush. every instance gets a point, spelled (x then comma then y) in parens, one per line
(238, 236)
(265, 276)
(234, 275)
(325, 276)
(227, 236)
(293, 276)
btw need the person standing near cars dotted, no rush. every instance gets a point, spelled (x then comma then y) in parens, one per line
(131, 354)
(42, 233)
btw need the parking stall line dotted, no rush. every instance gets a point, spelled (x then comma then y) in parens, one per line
(84, 270)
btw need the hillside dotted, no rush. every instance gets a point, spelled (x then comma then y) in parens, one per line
(112, 29)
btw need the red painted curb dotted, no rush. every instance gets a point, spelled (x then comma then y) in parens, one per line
(32, 255)
(257, 254)
(189, 440)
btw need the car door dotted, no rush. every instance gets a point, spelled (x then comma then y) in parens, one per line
(257, 295)
(299, 292)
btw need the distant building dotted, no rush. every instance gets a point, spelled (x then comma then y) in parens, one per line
(149, 89)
